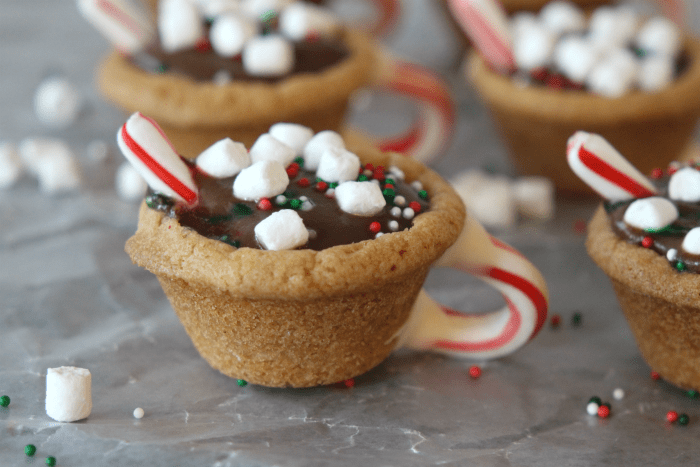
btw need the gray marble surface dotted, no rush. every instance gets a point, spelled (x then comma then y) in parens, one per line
(69, 295)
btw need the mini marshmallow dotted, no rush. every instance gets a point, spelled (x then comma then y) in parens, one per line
(691, 242)
(68, 393)
(562, 17)
(97, 151)
(613, 26)
(229, 33)
(257, 8)
(533, 48)
(655, 73)
(685, 185)
(660, 36)
(263, 179)
(493, 204)
(270, 55)
(225, 158)
(180, 25)
(338, 165)
(293, 135)
(575, 57)
(396, 172)
(615, 75)
(318, 144)
(521, 21)
(57, 102)
(10, 165)
(534, 197)
(301, 19)
(58, 172)
(129, 184)
(282, 230)
(360, 198)
(33, 150)
(651, 213)
(269, 148)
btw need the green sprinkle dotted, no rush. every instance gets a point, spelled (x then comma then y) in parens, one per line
(640, 53)
(30, 450)
(4, 401)
(389, 195)
(680, 266)
(683, 419)
(333, 185)
(576, 319)
(227, 239)
(218, 219)
(595, 399)
(300, 161)
(362, 178)
(162, 68)
(50, 461)
(241, 209)
(242, 383)
(289, 194)
(693, 394)
(295, 203)
(423, 194)
(389, 181)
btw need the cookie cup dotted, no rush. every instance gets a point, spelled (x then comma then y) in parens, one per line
(196, 114)
(662, 305)
(299, 318)
(649, 129)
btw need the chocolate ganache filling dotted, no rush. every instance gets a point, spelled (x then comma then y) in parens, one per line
(221, 216)
(664, 240)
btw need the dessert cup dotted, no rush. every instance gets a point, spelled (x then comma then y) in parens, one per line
(536, 122)
(662, 306)
(513, 6)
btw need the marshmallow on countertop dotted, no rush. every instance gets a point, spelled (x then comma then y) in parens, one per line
(562, 17)
(270, 55)
(533, 47)
(615, 75)
(269, 148)
(229, 34)
(301, 19)
(685, 185)
(282, 230)
(338, 165)
(52, 162)
(318, 144)
(57, 102)
(129, 184)
(263, 179)
(651, 213)
(360, 198)
(534, 197)
(180, 25)
(488, 198)
(656, 72)
(225, 158)
(660, 36)
(10, 165)
(613, 26)
(691, 242)
(68, 393)
(293, 135)
(575, 57)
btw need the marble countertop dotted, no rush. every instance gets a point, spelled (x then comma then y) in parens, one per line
(69, 295)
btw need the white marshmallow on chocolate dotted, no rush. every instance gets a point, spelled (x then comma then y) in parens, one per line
(575, 57)
(534, 197)
(229, 33)
(293, 135)
(225, 158)
(655, 73)
(318, 144)
(338, 165)
(257, 8)
(660, 36)
(615, 75)
(57, 102)
(691, 242)
(263, 179)
(269, 148)
(685, 185)
(129, 184)
(282, 230)
(300, 19)
(180, 25)
(68, 393)
(613, 26)
(562, 17)
(651, 213)
(270, 55)
(360, 198)
(533, 47)
(10, 165)
(521, 21)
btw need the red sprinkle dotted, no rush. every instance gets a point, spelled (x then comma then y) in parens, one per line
(203, 45)
(349, 382)
(378, 173)
(655, 376)
(375, 227)
(369, 167)
(415, 205)
(322, 186)
(475, 372)
(603, 411)
(539, 74)
(555, 81)
(389, 185)
(580, 226)
(293, 170)
(312, 36)
(303, 182)
(672, 169)
(264, 204)
(657, 173)
(647, 242)
(672, 416)
(555, 321)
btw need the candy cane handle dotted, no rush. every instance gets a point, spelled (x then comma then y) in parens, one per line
(389, 11)
(435, 327)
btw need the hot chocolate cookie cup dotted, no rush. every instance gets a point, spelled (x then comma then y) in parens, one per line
(536, 121)
(662, 305)
(195, 114)
(299, 318)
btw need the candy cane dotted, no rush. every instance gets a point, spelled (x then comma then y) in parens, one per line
(126, 27)
(389, 11)
(146, 147)
(486, 23)
(604, 169)
(674, 10)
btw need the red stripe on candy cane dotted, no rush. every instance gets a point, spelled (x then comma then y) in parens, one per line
(405, 142)
(611, 174)
(390, 11)
(158, 170)
(121, 16)
(505, 246)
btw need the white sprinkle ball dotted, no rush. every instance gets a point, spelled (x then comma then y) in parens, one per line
(307, 206)
(399, 200)
(312, 234)
(395, 211)
(618, 394)
(138, 413)
(281, 199)
(393, 226)
(397, 172)
(379, 234)
(418, 186)
(303, 198)
(367, 172)
(222, 78)
(330, 193)
(408, 213)
(672, 254)
(592, 408)
(57, 102)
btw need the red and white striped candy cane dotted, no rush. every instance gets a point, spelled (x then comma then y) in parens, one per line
(486, 23)
(125, 26)
(435, 327)
(146, 147)
(605, 170)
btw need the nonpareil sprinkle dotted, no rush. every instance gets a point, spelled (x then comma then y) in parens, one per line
(4, 401)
